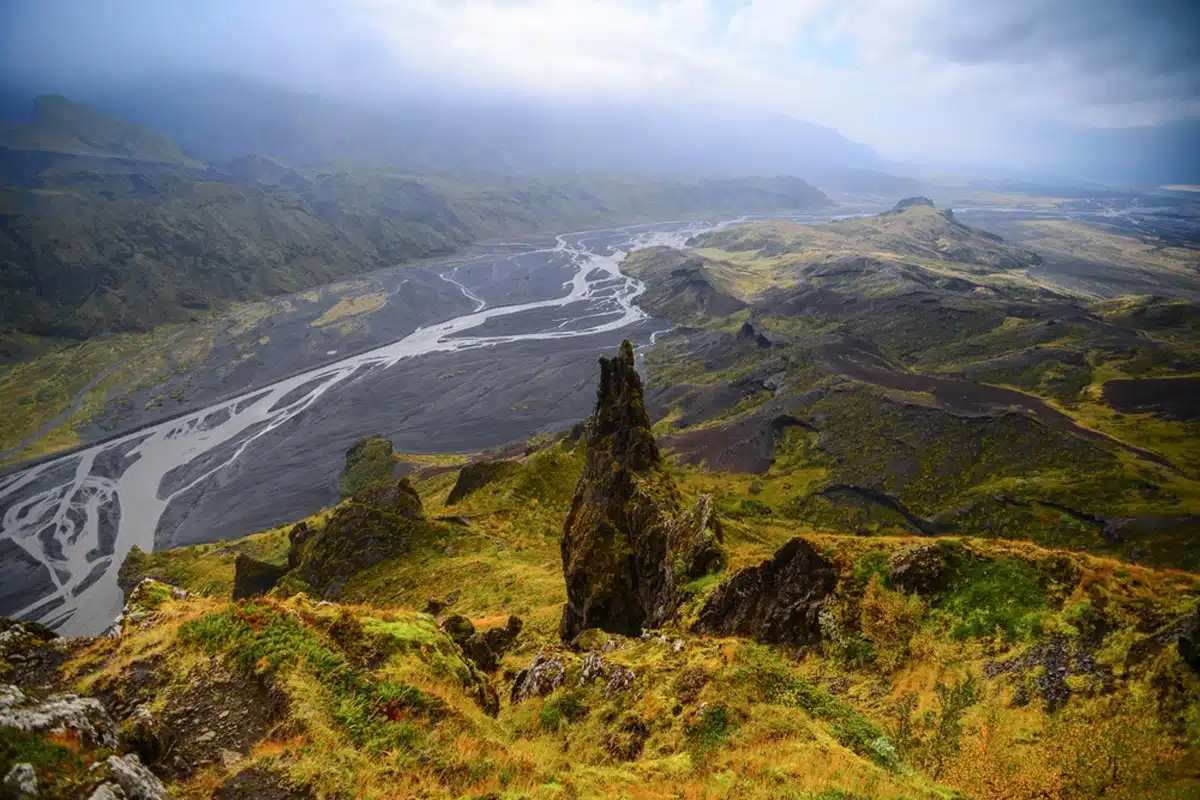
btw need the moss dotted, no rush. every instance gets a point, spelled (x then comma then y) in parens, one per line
(987, 597)
(368, 462)
(60, 764)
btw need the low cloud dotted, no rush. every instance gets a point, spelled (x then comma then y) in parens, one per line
(916, 79)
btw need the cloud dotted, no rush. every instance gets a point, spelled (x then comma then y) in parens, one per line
(913, 78)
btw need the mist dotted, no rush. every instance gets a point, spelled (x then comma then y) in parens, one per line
(1106, 91)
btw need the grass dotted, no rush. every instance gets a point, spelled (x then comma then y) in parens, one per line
(350, 307)
(1093, 243)
(382, 702)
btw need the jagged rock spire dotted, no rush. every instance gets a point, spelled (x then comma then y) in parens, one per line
(628, 547)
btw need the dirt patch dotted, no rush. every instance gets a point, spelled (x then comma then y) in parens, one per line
(218, 710)
(1170, 398)
(259, 782)
(746, 445)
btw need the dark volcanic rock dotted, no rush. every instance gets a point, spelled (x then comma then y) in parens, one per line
(475, 476)
(747, 333)
(628, 547)
(776, 602)
(1184, 633)
(482, 647)
(253, 577)
(355, 538)
(382, 518)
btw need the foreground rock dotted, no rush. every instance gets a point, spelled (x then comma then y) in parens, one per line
(253, 577)
(628, 547)
(474, 477)
(776, 602)
(484, 648)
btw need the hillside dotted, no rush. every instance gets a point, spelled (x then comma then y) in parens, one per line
(410, 646)
(58, 125)
(105, 228)
(865, 382)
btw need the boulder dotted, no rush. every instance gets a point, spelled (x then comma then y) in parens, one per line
(776, 602)
(628, 546)
(920, 569)
(540, 678)
(82, 717)
(474, 477)
(135, 780)
(21, 782)
(253, 577)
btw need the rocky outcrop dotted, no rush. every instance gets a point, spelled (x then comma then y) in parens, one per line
(355, 538)
(540, 678)
(1183, 633)
(368, 461)
(484, 648)
(910, 202)
(474, 477)
(628, 546)
(920, 569)
(84, 718)
(253, 577)
(382, 519)
(776, 602)
(747, 333)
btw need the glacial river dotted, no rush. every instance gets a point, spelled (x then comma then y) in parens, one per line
(78, 516)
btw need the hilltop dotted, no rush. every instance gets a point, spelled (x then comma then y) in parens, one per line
(433, 659)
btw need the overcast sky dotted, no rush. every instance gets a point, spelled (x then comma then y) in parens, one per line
(915, 79)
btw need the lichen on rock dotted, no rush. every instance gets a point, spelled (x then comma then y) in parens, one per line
(629, 547)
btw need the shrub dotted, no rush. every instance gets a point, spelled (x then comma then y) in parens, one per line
(889, 620)
(989, 597)
(566, 706)
(934, 738)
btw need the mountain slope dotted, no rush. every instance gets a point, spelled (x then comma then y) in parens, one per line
(989, 668)
(61, 126)
(222, 119)
(91, 243)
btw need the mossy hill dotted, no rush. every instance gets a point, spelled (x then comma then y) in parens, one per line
(909, 667)
(907, 374)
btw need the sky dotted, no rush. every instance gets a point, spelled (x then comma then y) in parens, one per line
(917, 80)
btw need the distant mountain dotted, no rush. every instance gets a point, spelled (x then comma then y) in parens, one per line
(62, 126)
(223, 119)
(118, 231)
